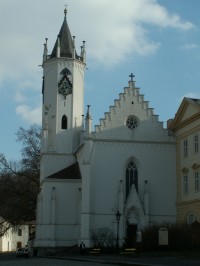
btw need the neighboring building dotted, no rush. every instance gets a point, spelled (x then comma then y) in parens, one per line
(186, 127)
(14, 239)
(127, 166)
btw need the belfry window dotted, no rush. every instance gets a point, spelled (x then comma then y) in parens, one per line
(64, 122)
(131, 177)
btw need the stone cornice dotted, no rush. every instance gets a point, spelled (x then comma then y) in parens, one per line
(186, 122)
(187, 202)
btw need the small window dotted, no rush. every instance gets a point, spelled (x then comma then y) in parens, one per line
(185, 184)
(19, 244)
(196, 143)
(64, 122)
(185, 148)
(19, 232)
(196, 181)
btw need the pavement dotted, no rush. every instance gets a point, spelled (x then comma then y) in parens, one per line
(137, 261)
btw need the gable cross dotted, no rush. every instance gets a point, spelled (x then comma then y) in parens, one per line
(131, 76)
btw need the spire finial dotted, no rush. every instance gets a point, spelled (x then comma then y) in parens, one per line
(65, 11)
(88, 116)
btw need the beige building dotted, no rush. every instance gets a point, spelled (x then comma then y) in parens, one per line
(186, 127)
(14, 239)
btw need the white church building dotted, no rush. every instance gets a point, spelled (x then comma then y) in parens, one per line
(126, 165)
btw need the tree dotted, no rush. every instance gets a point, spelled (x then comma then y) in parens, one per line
(19, 181)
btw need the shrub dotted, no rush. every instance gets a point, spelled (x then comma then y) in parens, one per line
(103, 237)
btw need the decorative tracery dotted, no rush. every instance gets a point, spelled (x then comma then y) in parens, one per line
(132, 122)
(131, 177)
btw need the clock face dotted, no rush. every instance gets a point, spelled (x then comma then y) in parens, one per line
(65, 83)
(65, 88)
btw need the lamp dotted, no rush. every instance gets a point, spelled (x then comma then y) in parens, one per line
(118, 215)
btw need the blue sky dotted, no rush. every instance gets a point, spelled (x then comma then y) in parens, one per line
(159, 41)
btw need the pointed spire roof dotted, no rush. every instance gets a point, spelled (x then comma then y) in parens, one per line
(66, 42)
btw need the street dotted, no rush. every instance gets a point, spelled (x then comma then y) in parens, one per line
(46, 262)
(10, 259)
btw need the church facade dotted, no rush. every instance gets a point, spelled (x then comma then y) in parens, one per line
(121, 175)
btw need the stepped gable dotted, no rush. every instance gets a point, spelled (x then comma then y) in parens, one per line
(131, 96)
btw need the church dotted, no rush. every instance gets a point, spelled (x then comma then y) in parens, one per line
(119, 175)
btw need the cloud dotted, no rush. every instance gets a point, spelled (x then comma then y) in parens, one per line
(154, 13)
(20, 97)
(123, 30)
(190, 46)
(30, 115)
(112, 30)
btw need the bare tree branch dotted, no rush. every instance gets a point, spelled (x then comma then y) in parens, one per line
(19, 181)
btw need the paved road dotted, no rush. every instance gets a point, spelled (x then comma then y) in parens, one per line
(10, 259)
(46, 262)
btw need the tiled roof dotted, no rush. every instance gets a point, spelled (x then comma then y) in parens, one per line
(66, 42)
(70, 172)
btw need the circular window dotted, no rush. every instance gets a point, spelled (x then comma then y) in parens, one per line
(132, 122)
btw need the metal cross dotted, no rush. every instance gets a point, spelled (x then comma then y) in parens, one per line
(65, 11)
(131, 76)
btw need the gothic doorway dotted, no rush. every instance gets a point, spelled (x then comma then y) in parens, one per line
(131, 235)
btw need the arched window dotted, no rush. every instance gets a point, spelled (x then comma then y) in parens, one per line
(131, 176)
(190, 218)
(64, 122)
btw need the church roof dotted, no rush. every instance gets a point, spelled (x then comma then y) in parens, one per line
(66, 42)
(188, 109)
(70, 172)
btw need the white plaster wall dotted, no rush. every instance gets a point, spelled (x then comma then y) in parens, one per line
(159, 170)
(64, 227)
(55, 104)
(9, 241)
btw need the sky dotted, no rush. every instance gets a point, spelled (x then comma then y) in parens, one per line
(156, 40)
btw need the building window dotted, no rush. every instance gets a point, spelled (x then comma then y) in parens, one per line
(132, 122)
(185, 148)
(131, 177)
(196, 143)
(196, 181)
(190, 218)
(185, 184)
(19, 232)
(64, 122)
(19, 244)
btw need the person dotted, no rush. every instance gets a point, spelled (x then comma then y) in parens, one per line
(82, 248)
(26, 252)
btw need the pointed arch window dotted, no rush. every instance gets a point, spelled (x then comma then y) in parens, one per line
(131, 176)
(64, 122)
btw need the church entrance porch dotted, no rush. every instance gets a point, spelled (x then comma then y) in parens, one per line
(131, 234)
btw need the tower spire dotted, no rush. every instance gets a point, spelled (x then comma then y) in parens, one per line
(65, 39)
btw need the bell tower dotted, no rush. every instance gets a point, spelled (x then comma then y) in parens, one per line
(63, 101)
